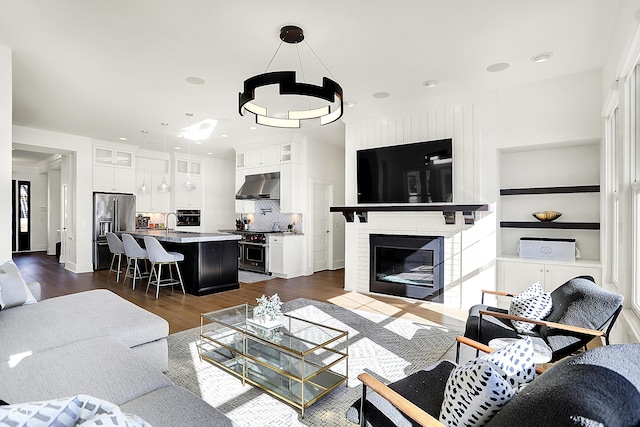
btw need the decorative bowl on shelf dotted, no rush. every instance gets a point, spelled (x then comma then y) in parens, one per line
(546, 216)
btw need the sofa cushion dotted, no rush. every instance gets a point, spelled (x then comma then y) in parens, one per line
(175, 406)
(14, 291)
(532, 303)
(600, 386)
(101, 367)
(63, 320)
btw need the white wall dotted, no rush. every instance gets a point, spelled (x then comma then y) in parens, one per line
(218, 210)
(325, 165)
(547, 112)
(76, 167)
(6, 119)
(54, 220)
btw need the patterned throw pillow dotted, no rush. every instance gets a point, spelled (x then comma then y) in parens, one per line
(516, 360)
(532, 303)
(475, 392)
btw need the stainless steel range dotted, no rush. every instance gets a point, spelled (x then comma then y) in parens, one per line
(253, 251)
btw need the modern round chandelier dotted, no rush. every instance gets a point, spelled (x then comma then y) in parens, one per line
(329, 91)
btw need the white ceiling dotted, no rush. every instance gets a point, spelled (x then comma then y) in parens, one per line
(110, 69)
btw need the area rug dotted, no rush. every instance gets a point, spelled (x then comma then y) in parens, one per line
(386, 347)
(251, 277)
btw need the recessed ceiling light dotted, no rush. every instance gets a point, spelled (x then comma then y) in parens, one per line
(195, 80)
(177, 148)
(500, 66)
(224, 135)
(381, 95)
(350, 103)
(122, 138)
(542, 57)
(252, 128)
(430, 83)
(210, 154)
(198, 142)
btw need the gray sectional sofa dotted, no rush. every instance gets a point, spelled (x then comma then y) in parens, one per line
(98, 344)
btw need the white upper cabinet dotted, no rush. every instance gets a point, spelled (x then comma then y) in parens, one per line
(152, 171)
(182, 198)
(271, 155)
(113, 170)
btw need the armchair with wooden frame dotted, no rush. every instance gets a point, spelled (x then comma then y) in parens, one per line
(581, 311)
(418, 396)
(598, 387)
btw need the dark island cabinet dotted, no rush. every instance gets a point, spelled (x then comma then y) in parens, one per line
(208, 267)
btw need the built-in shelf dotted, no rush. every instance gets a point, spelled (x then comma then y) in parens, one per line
(556, 225)
(449, 211)
(550, 190)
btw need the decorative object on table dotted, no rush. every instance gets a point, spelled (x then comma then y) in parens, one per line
(546, 216)
(329, 94)
(268, 311)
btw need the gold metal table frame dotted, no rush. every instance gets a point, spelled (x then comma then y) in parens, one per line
(295, 360)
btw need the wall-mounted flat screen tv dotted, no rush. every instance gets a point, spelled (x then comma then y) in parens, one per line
(420, 172)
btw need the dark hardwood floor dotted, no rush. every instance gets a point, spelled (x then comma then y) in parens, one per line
(183, 311)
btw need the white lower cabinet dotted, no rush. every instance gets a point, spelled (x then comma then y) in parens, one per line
(516, 275)
(286, 258)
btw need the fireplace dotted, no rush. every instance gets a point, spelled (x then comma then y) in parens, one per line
(407, 266)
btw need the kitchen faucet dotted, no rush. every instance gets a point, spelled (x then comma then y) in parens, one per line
(166, 221)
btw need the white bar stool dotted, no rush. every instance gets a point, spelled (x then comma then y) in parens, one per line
(117, 249)
(158, 255)
(134, 253)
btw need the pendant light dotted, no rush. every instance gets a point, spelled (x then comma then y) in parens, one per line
(164, 187)
(188, 185)
(330, 91)
(143, 188)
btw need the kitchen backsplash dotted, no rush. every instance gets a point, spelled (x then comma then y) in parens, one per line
(267, 216)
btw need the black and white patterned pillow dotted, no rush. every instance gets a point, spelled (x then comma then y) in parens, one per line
(533, 303)
(474, 394)
(516, 361)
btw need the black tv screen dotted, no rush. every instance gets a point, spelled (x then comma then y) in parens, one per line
(420, 172)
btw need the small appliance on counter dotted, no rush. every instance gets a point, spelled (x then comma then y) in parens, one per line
(142, 221)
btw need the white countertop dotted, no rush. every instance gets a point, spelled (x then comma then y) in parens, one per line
(184, 236)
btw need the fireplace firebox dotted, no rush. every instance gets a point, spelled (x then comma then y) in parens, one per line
(407, 266)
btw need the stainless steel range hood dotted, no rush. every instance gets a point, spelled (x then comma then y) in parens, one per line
(260, 187)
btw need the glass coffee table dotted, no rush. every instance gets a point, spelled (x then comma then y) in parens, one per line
(295, 359)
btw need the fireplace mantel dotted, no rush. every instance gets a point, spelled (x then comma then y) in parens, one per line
(448, 210)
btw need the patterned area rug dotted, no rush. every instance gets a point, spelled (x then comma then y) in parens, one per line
(251, 277)
(386, 347)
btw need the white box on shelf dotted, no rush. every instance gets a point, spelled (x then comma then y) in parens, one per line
(548, 248)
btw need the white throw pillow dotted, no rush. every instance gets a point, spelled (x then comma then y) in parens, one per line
(473, 394)
(532, 303)
(516, 360)
(13, 289)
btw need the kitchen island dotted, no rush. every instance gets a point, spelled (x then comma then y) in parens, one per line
(210, 259)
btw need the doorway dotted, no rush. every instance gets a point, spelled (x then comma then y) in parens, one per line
(322, 238)
(21, 216)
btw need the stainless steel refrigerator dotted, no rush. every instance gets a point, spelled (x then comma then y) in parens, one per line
(112, 212)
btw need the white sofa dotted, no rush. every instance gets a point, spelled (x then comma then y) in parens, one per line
(98, 344)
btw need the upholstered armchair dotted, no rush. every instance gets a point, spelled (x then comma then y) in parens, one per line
(600, 387)
(581, 311)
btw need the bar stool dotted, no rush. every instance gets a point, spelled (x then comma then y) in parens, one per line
(117, 249)
(158, 255)
(134, 253)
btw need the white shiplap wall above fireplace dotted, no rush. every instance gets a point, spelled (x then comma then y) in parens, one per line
(469, 250)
